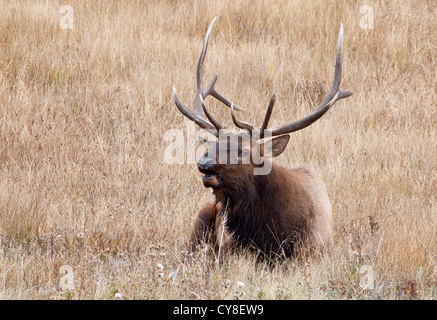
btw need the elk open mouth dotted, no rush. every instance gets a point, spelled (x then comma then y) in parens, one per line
(208, 174)
(210, 178)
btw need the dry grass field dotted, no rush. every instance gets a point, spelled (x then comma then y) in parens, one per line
(83, 112)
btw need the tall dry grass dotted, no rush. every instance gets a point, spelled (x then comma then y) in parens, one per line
(83, 181)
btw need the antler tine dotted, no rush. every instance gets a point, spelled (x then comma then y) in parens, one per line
(240, 124)
(333, 96)
(268, 114)
(211, 119)
(196, 114)
(247, 126)
(337, 74)
(199, 75)
(200, 121)
(209, 89)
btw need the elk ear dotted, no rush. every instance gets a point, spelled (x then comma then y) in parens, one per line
(277, 145)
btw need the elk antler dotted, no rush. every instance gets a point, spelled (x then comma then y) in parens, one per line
(196, 115)
(333, 96)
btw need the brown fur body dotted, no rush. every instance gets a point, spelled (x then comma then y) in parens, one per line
(272, 213)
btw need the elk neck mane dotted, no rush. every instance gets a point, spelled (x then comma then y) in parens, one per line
(252, 204)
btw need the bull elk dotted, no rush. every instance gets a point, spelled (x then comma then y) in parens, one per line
(274, 213)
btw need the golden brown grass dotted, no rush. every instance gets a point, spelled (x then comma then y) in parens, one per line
(83, 181)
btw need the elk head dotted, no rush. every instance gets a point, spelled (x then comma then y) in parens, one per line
(235, 157)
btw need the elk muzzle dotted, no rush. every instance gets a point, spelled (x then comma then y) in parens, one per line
(211, 176)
